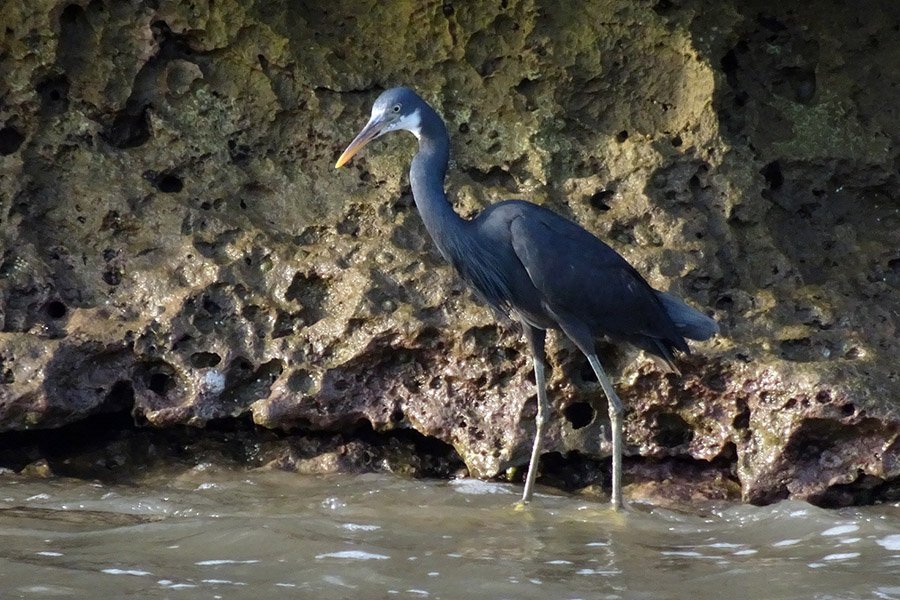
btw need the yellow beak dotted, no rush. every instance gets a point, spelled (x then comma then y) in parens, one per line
(372, 130)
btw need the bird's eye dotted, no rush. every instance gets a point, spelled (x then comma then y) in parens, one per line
(396, 108)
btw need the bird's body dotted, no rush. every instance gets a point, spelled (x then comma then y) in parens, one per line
(553, 274)
(537, 267)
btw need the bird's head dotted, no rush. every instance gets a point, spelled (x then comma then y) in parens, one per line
(395, 109)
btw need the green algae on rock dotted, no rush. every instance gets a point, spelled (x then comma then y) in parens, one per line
(177, 246)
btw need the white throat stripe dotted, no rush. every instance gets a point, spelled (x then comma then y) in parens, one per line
(412, 123)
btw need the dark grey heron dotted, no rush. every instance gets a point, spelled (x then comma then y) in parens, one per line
(538, 268)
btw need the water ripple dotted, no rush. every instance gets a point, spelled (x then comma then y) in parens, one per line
(353, 555)
(841, 529)
(135, 572)
(890, 542)
(225, 561)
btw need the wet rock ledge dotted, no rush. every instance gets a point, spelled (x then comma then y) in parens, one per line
(179, 259)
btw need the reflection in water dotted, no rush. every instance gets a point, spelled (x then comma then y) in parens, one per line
(234, 535)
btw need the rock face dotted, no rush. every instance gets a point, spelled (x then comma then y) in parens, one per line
(177, 244)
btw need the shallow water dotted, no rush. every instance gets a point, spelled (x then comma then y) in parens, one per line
(207, 534)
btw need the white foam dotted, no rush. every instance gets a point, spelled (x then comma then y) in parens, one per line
(890, 542)
(360, 527)
(476, 487)
(135, 572)
(841, 556)
(353, 555)
(841, 529)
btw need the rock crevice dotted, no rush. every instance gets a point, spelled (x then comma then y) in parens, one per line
(177, 247)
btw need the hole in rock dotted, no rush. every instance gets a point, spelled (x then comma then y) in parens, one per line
(120, 396)
(54, 93)
(853, 353)
(894, 265)
(56, 309)
(585, 371)
(160, 383)
(729, 63)
(663, 7)
(773, 175)
(725, 302)
(203, 360)
(579, 414)
(168, 183)
(112, 276)
(300, 381)
(598, 199)
(129, 129)
(211, 306)
(10, 140)
(672, 430)
(71, 14)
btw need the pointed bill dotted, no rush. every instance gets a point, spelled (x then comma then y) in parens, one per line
(372, 130)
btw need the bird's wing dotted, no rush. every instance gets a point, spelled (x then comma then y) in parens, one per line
(579, 276)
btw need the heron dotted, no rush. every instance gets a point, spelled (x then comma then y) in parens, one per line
(538, 268)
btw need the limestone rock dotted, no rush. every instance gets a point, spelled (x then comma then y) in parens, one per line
(176, 243)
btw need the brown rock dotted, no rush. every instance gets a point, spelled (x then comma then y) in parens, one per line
(176, 242)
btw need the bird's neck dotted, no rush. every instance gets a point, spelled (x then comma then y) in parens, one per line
(426, 176)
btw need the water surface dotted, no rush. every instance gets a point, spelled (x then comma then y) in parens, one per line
(209, 534)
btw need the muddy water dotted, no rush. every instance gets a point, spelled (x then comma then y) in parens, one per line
(206, 534)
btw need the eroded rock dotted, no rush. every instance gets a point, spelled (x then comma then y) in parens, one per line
(176, 243)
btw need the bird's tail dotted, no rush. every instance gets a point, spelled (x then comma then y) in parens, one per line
(690, 322)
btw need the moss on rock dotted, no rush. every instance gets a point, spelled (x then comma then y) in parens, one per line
(176, 243)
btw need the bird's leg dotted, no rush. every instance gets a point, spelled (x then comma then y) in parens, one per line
(540, 422)
(535, 339)
(615, 420)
